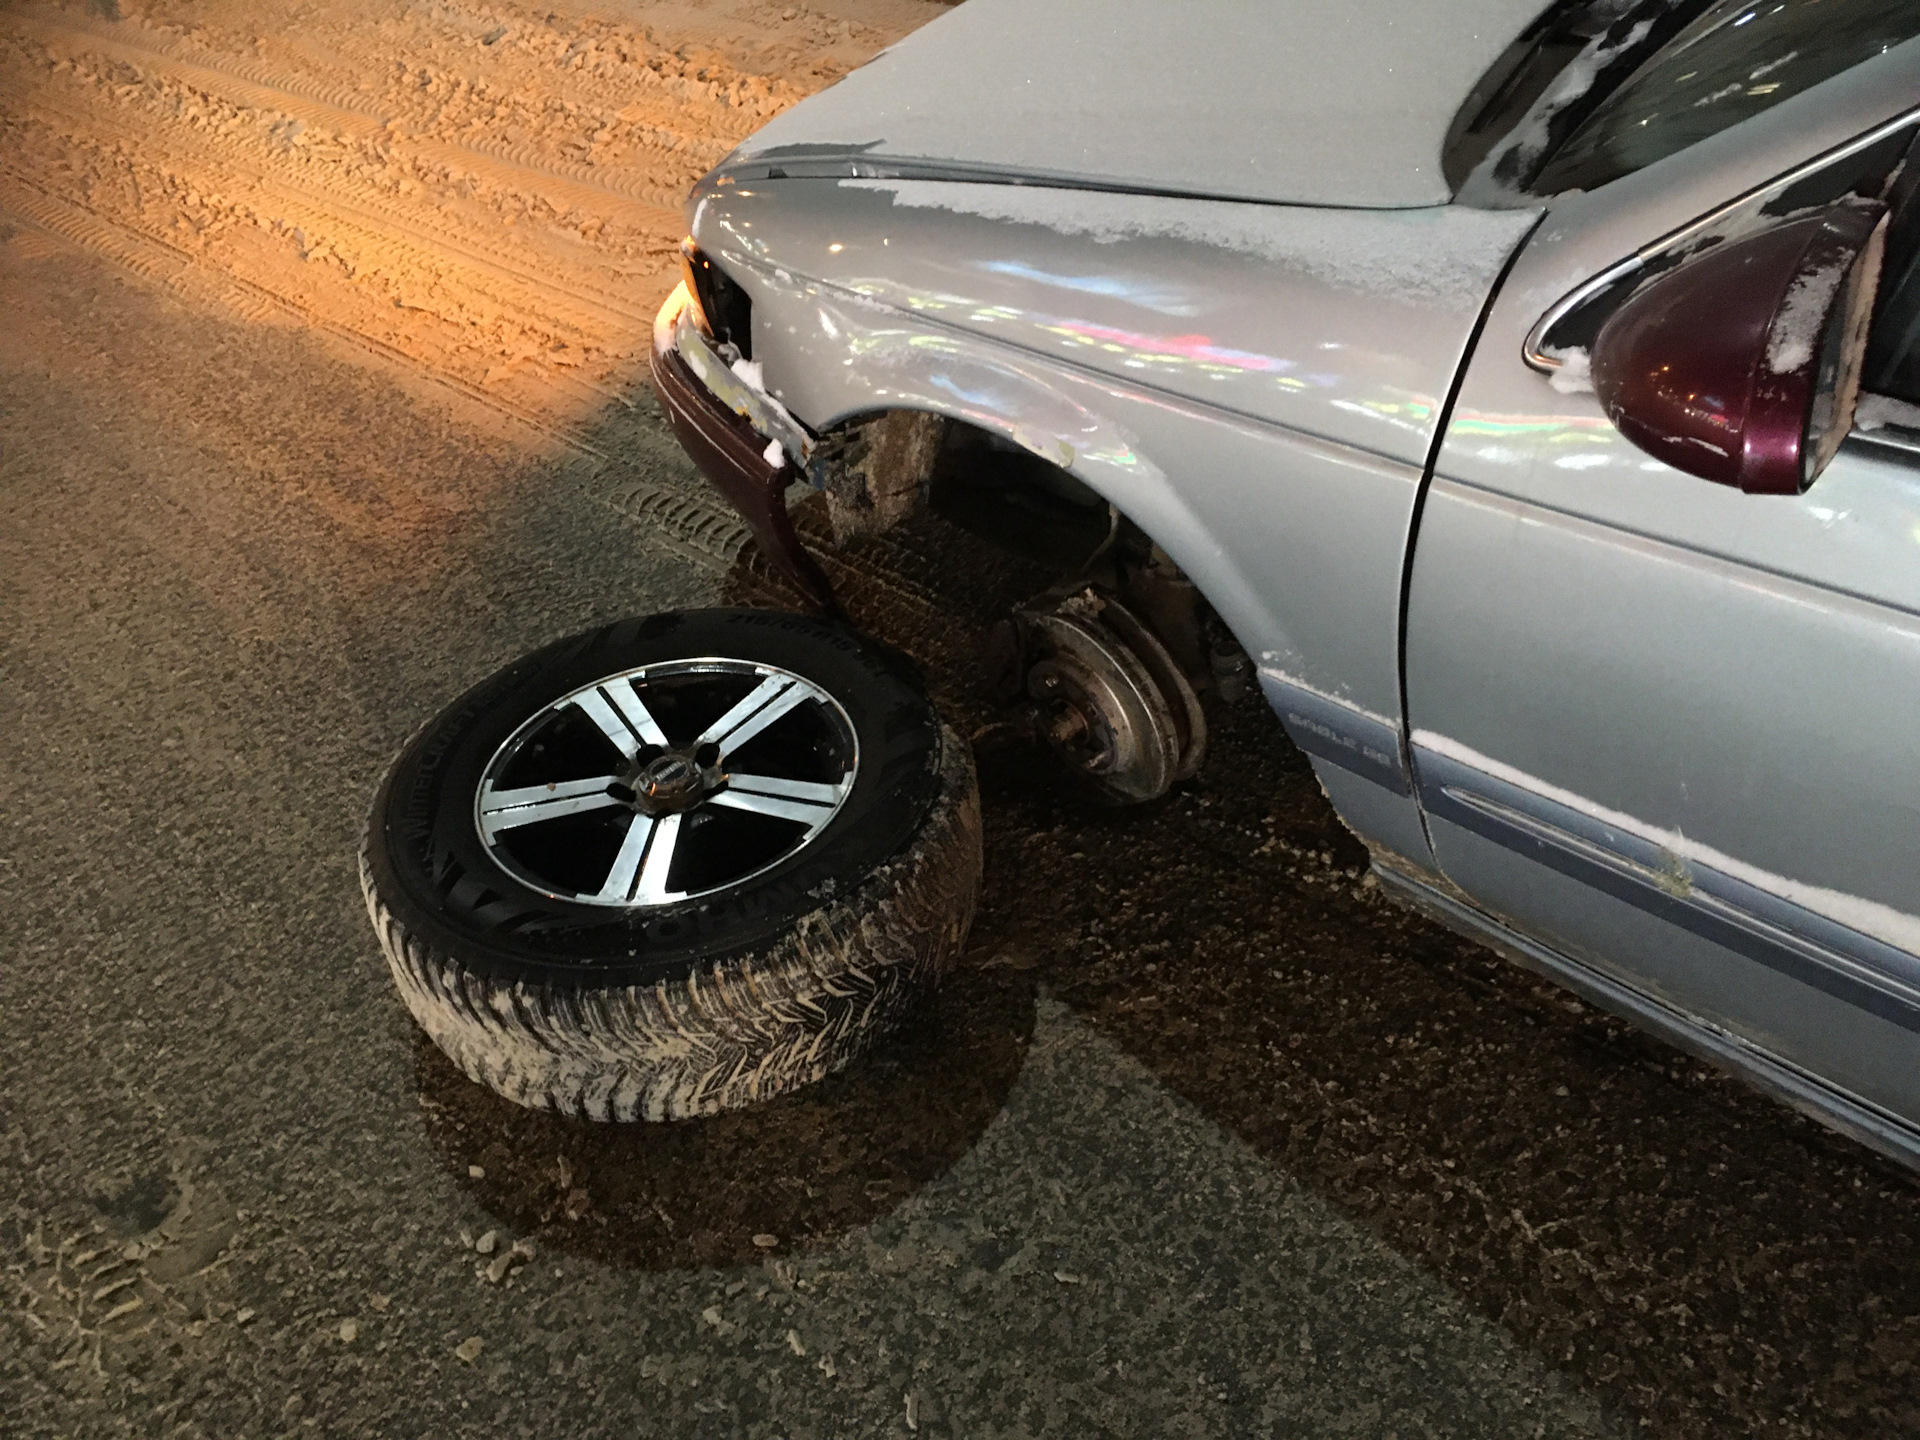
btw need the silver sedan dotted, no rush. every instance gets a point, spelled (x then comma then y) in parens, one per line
(1530, 401)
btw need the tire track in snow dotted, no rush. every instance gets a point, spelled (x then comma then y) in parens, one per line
(565, 186)
(315, 202)
(180, 271)
(335, 210)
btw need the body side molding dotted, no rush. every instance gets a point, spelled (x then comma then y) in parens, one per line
(1801, 943)
(1351, 737)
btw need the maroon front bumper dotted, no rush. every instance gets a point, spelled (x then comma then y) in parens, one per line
(732, 454)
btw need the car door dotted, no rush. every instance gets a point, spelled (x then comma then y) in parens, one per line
(1667, 728)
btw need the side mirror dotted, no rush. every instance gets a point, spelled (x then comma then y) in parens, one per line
(1742, 365)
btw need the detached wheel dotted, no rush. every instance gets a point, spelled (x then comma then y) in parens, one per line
(675, 865)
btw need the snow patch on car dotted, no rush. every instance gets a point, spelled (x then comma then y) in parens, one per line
(751, 373)
(1574, 376)
(1269, 669)
(1568, 88)
(1876, 412)
(1803, 315)
(1439, 253)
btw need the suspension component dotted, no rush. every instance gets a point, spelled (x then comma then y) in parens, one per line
(1103, 694)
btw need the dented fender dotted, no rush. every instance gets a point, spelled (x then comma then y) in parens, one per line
(1256, 388)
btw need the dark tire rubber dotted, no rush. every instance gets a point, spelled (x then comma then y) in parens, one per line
(712, 1003)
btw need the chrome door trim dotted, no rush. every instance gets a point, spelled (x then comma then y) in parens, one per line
(1859, 969)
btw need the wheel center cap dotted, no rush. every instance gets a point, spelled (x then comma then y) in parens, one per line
(670, 779)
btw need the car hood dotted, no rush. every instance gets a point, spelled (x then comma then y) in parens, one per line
(1309, 102)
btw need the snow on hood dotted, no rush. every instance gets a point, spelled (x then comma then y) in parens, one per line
(1310, 102)
(1417, 257)
(1344, 324)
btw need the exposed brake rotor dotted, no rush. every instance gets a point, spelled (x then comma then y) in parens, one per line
(1106, 696)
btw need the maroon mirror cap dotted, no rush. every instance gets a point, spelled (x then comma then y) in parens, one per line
(1713, 367)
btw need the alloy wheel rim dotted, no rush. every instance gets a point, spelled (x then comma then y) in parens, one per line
(666, 782)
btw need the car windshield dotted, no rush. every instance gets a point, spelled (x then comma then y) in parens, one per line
(1893, 353)
(1736, 59)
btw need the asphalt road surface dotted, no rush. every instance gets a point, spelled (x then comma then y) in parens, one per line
(1205, 1138)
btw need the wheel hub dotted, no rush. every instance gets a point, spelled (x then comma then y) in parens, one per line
(670, 783)
(1106, 696)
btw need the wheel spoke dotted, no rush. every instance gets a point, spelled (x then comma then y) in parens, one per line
(807, 790)
(653, 875)
(804, 812)
(634, 711)
(771, 698)
(619, 884)
(622, 716)
(506, 809)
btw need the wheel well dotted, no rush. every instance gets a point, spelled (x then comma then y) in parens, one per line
(1003, 492)
(879, 468)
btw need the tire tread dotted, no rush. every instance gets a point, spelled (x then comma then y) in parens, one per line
(727, 1035)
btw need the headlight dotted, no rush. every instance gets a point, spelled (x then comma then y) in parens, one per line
(721, 308)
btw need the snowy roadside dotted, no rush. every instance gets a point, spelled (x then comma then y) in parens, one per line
(486, 192)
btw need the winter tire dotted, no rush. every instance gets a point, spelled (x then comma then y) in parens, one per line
(674, 865)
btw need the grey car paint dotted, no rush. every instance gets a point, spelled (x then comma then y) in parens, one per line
(1604, 660)
(1256, 385)
(1699, 771)
(1185, 99)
